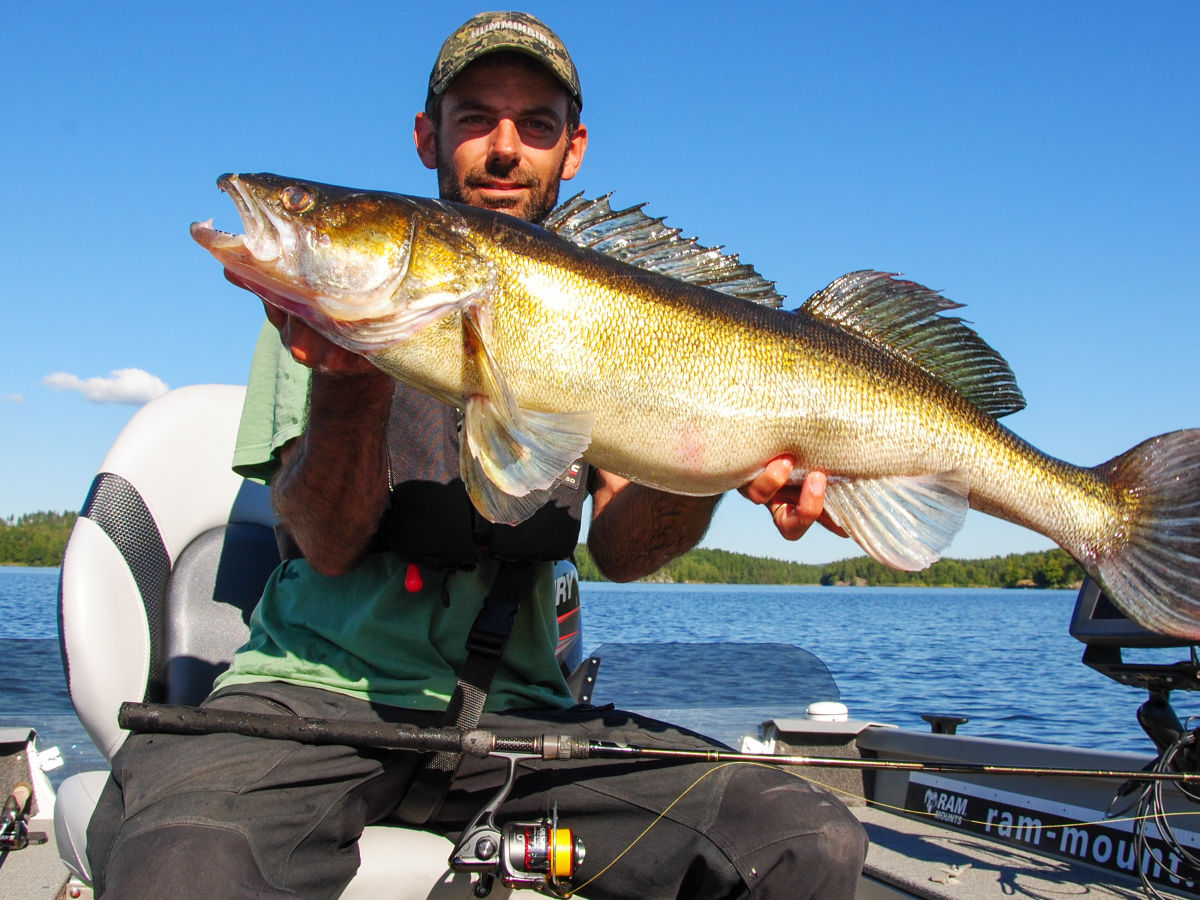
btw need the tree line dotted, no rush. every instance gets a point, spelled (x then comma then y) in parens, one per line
(1047, 569)
(35, 539)
(38, 539)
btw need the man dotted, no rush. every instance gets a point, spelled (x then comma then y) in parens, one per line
(389, 567)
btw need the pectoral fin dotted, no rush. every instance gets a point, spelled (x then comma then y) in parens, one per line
(901, 521)
(511, 458)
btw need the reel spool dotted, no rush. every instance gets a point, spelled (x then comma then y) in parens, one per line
(535, 852)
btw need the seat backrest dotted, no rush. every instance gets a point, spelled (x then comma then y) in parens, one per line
(165, 563)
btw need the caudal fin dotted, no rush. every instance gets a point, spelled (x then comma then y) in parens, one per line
(1152, 571)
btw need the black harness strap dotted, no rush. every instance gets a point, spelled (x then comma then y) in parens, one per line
(485, 646)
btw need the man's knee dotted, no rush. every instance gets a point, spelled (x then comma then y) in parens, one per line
(840, 847)
(802, 841)
(822, 863)
(198, 861)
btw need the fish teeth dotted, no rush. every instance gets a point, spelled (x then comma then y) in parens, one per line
(214, 238)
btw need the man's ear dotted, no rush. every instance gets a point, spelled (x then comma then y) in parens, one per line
(425, 137)
(575, 150)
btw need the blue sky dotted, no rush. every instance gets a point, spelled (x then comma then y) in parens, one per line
(1035, 161)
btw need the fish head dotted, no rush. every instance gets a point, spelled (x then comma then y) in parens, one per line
(344, 260)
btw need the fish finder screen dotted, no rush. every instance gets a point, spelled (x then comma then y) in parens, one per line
(1096, 621)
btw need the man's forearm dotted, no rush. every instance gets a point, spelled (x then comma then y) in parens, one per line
(639, 530)
(332, 488)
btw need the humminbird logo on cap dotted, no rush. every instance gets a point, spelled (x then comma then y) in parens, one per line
(512, 25)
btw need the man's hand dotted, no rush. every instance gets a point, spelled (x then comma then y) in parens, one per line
(793, 507)
(307, 346)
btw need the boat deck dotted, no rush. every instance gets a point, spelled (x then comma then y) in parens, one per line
(910, 858)
(35, 872)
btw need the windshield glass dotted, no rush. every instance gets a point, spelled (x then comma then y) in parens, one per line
(723, 690)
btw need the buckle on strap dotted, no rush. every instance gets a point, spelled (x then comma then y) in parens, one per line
(493, 626)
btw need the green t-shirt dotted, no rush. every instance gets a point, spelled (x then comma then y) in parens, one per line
(364, 633)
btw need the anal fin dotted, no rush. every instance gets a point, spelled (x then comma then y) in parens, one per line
(902, 521)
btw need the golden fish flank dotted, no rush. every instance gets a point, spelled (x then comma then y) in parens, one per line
(607, 335)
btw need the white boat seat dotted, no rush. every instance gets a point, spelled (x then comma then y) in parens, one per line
(162, 569)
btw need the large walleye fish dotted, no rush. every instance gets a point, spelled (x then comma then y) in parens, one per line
(606, 335)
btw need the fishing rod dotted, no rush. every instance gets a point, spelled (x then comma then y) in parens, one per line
(168, 719)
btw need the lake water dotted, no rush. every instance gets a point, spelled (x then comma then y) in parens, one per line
(1002, 658)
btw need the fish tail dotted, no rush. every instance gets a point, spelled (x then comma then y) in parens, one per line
(1151, 567)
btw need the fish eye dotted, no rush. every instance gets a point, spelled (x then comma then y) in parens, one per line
(296, 198)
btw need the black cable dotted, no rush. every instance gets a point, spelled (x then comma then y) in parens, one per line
(1152, 807)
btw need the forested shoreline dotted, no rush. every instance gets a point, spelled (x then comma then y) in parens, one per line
(38, 539)
(1047, 569)
(35, 539)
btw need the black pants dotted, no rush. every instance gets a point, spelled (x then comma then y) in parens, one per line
(227, 816)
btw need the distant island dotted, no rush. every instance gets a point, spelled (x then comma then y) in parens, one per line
(38, 539)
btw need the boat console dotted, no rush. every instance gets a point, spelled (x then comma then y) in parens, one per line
(1107, 633)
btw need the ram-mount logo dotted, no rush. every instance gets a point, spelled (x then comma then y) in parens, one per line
(1060, 830)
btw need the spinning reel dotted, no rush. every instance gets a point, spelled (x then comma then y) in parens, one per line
(537, 855)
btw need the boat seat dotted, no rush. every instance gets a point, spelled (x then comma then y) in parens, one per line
(163, 567)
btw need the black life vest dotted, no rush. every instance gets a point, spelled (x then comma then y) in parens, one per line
(431, 520)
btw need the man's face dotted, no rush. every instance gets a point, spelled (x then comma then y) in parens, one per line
(501, 142)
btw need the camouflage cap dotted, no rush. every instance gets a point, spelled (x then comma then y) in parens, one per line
(490, 32)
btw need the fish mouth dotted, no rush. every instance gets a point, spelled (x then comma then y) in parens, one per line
(264, 261)
(263, 238)
(220, 244)
(255, 256)
(343, 280)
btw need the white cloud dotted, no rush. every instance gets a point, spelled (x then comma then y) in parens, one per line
(11, 398)
(130, 386)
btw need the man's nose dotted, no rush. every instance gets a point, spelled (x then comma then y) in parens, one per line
(506, 142)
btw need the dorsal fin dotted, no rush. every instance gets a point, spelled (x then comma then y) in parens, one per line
(905, 318)
(633, 237)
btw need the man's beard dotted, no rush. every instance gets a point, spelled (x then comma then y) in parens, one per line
(533, 205)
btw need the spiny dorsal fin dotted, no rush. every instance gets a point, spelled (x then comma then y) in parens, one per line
(905, 318)
(631, 236)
